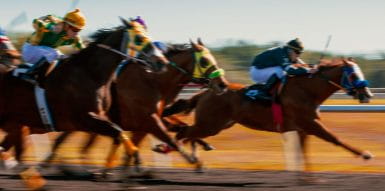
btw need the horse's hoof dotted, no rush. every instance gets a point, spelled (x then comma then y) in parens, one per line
(144, 174)
(33, 179)
(366, 155)
(101, 177)
(199, 168)
(10, 164)
(208, 148)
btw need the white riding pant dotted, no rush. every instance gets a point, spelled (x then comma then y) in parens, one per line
(260, 76)
(32, 54)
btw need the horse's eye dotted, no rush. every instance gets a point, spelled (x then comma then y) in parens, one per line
(204, 62)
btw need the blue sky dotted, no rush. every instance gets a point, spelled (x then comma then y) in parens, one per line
(355, 26)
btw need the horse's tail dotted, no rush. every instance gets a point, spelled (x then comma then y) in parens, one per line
(182, 105)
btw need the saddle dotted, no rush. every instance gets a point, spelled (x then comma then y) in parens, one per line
(259, 92)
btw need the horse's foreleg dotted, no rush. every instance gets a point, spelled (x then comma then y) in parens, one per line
(159, 131)
(194, 150)
(101, 125)
(316, 128)
(86, 148)
(58, 141)
(137, 138)
(303, 138)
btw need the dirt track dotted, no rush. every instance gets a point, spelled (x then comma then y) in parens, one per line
(240, 148)
(221, 180)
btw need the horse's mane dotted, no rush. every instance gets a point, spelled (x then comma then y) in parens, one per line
(101, 34)
(173, 49)
(98, 37)
(330, 63)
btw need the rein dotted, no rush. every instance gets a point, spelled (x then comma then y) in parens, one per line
(128, 57)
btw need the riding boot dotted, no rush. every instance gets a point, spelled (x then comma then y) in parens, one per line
(263, 91)
(31, 73)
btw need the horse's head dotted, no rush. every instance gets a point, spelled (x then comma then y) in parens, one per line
(140, 45)
(347, 76)
(206, 69)
(8, 53)
(354, 82)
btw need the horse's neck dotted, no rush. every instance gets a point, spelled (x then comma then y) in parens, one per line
(172, 82)
(313, 90)
(95, 65)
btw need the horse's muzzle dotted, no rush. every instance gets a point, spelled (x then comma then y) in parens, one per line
(364, 95)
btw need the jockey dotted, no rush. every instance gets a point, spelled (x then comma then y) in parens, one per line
(270, 66)
(53, 38)
(9, 55)
(141, 41)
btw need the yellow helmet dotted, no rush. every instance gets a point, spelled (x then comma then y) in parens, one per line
(76, 19)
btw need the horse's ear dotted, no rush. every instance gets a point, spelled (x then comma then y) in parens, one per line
(351, 59)
(193, 44)
(125, 22)
(200, 42)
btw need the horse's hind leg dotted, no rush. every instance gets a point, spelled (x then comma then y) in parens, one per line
(316, 128)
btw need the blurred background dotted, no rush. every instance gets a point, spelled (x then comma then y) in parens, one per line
(235, 30)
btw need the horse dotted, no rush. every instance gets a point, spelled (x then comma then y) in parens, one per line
(10, 58)
(78, 91)
(300, 95)
(139, 96)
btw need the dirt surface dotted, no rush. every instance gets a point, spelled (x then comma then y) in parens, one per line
(212, 179)
(254, 157)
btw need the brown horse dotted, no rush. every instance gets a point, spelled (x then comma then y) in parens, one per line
(139, 96)
(78, 92)
(10, 58)
(301, 95)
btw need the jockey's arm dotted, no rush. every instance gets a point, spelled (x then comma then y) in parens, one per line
(41, 22)
(71, 49)
(298, 68)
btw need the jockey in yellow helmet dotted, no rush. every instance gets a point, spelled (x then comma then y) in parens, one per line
(51, 34)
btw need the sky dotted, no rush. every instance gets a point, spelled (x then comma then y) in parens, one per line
(355, 26)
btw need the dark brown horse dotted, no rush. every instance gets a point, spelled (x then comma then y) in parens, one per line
(78, 92)
(10, 59)
(300, 99)
(139, 96)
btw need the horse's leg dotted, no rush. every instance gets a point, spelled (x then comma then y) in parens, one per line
(85, 149)
(8, 161)
(137, 138)
(58, 141)
(199, 164)
(316, 128)
(111, 158)
(31, 177)
(174, 124)
(101, 125)
(206, 146)
(303, 138)
(159, 131)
